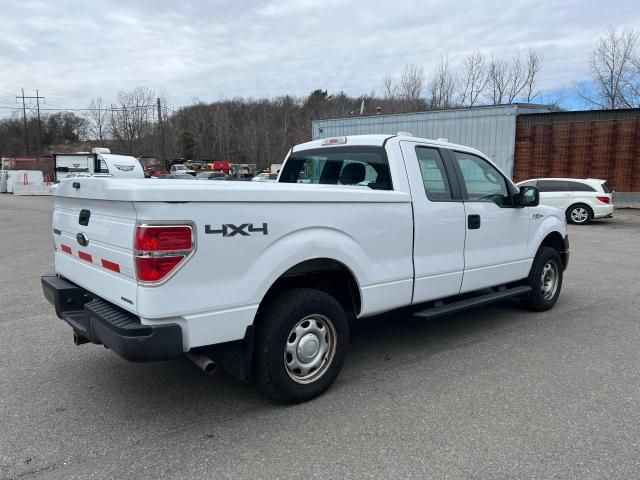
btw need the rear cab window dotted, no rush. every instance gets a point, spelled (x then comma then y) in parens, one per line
(361, 166)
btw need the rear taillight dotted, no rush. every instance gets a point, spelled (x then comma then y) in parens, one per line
(604, 199)
(163, 238)
(161, 250)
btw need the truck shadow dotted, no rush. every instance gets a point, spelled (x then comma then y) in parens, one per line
(181, 391)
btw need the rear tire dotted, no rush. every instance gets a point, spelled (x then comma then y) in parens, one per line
(545, 279)
(579, 214)
(301, 346)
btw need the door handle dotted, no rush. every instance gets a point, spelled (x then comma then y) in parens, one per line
(473, 222)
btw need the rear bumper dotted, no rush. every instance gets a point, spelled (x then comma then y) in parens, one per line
(603, 211)
(100, 322)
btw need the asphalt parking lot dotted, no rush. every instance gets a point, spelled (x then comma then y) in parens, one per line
(497, 392)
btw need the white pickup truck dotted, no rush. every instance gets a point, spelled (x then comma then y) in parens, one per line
(261, 279)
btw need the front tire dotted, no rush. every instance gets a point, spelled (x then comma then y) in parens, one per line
(579, 214)
(301, 345)
(545, 279)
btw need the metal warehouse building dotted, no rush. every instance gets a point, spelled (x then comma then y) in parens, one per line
(492, 130)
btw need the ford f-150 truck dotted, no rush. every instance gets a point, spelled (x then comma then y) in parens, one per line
(261, 279)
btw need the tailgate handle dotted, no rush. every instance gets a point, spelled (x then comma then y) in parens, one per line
(83, 219)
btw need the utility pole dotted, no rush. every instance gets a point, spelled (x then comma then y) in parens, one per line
(37, 98)
(26, 130)
(162, 155)
(39, 124)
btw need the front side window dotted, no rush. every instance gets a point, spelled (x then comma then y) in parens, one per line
(482, 181)
(434, 176)
(366, 167)
(552, 186)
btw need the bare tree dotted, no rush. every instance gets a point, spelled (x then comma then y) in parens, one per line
(473, 80)
(131, 119)
(442, 85)
(612, 70)
(633, 83)
(411, 82)
(389, 86)
(97, 119)
(498, 81)
(516, 79)
(509, 82)
(534, 64)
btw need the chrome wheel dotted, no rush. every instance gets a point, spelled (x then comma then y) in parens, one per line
(549, 280)
(579, 214)
(310, 348)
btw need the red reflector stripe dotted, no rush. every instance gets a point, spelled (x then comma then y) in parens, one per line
(110, 265)
(65, 248)
(85, 256)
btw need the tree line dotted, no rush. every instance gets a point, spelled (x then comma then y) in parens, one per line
(141, 122)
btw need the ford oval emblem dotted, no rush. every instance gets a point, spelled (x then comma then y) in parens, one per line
(82, 239)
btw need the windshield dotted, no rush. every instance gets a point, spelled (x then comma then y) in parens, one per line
(356, 166)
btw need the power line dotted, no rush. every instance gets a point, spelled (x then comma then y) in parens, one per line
(61, 109)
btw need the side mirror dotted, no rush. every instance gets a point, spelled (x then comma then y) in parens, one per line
(529, 196)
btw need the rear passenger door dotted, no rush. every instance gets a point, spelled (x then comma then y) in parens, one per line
(439, 222)
(555, 193)
(497, 230)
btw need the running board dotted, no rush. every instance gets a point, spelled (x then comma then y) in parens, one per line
(444, 309)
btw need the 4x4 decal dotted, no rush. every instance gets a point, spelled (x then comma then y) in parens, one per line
(230, 230)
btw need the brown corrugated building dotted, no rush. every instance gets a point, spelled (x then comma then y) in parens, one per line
(597, 144)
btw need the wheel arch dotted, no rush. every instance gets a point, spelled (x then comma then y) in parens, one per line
(326, 274)
(556, 241)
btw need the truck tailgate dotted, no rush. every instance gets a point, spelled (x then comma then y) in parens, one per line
(94, 247)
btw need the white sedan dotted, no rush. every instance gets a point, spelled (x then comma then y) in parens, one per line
(581, 199)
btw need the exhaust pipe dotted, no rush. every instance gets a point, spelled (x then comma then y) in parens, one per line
(79, 339)
(207, 365)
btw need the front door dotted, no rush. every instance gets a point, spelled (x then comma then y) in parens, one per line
(439, 223)
(497, 231)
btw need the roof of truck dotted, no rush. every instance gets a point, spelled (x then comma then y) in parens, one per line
(379, 140)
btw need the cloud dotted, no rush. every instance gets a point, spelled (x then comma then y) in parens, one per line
(74, 50)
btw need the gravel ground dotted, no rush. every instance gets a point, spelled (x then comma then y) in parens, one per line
(497, 392)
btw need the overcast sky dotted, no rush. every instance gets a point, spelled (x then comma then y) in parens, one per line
(73, 51)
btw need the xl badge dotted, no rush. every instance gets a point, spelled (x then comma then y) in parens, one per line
(230, 230)
(82, 239)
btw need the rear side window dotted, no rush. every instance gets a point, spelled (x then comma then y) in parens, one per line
(434, 176)
(366, 167)
(552, 186)
(605, 187)
(579, 187)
